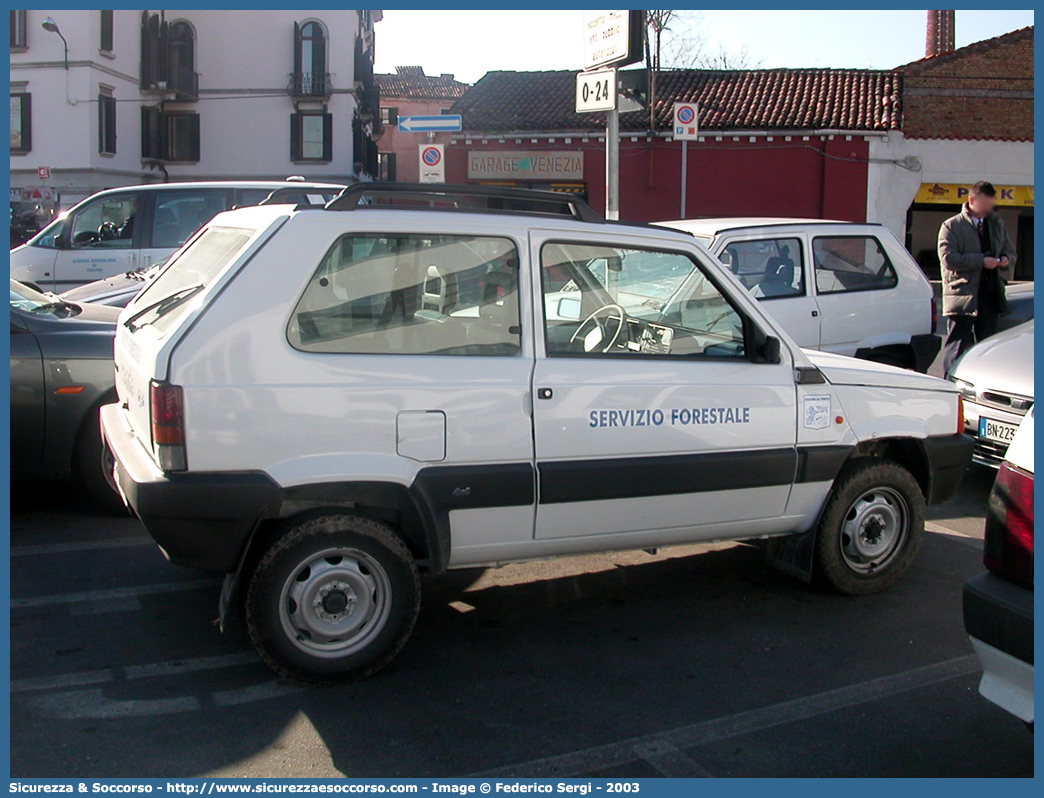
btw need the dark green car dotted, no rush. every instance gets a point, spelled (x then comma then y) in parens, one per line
(61, 373)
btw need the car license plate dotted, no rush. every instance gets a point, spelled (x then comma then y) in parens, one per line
(996, 430)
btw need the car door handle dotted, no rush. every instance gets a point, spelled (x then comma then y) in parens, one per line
(544, 393)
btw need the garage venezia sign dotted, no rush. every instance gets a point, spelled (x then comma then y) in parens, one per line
(525, 165)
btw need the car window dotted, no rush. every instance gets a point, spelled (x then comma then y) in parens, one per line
(851, 263)
(769, 267)
(180, 213)
(602, 300)
(412, 295)
(106, 223)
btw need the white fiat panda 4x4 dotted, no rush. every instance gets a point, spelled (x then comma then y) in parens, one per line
(324, 403)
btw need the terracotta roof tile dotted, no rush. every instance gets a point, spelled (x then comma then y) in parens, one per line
(758, 99)
(410, 83)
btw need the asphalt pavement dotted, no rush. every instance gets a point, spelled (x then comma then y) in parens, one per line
(697, 661)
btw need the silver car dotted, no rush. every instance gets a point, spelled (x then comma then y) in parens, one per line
(995, 378)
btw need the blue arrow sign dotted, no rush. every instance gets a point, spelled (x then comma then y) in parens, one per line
(450, 123)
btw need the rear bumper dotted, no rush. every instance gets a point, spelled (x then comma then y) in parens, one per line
(925, 349)
(948, 458)
(998, 616)
(199, 520)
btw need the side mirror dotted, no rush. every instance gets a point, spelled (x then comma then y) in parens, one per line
(761, 348)
(569, 309)
(770, 350)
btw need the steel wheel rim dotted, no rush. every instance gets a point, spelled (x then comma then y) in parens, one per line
(874, 530)
(335, 603)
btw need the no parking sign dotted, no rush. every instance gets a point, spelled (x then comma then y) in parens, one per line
(686, 121)
(432, 161)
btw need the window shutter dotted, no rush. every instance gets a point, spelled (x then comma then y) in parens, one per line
(295, 135)
(318, 65)
(327, 137)
(106, 30)
(153, 139)
(298, 67)
(194, 146)
(27, 122)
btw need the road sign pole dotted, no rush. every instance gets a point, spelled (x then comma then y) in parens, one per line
(684, 174)
(612, 162)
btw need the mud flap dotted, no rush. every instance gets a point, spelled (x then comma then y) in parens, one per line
(793, 554)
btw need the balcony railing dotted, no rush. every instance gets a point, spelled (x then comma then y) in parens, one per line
(310, 84)
(179, 81)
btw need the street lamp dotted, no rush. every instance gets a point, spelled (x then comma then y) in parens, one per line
(50, 25)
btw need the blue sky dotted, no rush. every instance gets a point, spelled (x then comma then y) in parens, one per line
(470, 43)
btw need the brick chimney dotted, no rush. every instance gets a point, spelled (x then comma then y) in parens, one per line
(940, 33)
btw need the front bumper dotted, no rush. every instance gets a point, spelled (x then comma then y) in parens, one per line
(998, 616)
(199, 520)
(948, 458)
(987, 452)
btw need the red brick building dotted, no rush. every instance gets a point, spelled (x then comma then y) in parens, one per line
(790, 142)
(967, 115)
(409, 92)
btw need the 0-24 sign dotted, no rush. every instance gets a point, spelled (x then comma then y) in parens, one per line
(596, 91)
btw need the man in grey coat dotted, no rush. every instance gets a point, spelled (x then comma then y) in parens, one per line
(977, 258)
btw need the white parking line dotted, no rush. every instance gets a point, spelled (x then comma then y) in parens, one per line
(82, 545)
(625, 752)
(109, 595)
(93, 703)
(147, 671)
(670, 762)
(961, 537)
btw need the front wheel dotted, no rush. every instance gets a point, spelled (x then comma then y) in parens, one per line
(333, 600)
(871, 529)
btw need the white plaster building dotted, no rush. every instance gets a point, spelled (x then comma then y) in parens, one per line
(190, 95)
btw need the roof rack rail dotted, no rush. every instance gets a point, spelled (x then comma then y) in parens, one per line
(466, 198)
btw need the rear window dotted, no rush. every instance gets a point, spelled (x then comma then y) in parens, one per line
(164, 301)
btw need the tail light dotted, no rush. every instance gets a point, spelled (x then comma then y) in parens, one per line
(960, 414)
(1009, 526)
(166, 407)
(935, 313)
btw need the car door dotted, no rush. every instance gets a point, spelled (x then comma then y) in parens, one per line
(773, 267)
(666, 430)
(175, 215)
(100, 238)
(420, 334)
(28, 401)
(857, 290)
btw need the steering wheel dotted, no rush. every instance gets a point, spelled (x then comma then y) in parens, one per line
(107, 231)
(595, 317)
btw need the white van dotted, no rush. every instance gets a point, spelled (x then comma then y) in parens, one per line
(842, 287)
(125, 229)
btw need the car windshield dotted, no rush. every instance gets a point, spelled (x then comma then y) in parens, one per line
(26, 299)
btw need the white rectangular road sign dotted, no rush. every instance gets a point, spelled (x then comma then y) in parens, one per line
(446, 123)
(595, 91)
(609, 38)
(686, 121)
(431, 158)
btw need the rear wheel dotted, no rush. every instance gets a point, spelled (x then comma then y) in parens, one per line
(333, 600)
(871, 528)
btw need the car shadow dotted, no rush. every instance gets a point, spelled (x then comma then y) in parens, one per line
(508, 666)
